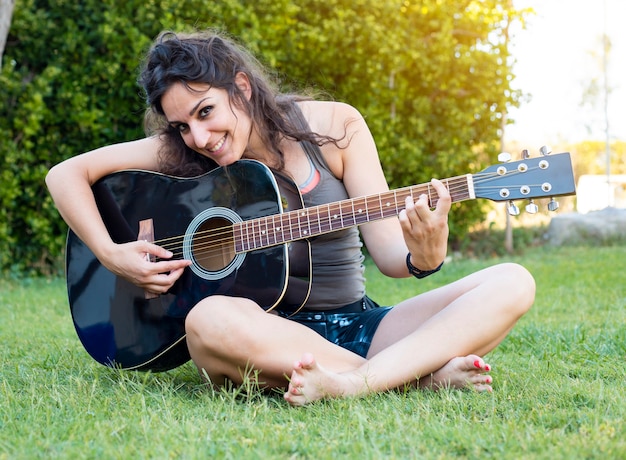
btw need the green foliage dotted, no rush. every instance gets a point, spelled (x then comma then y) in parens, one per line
(432, 78)
(486, 243)
(68, 88)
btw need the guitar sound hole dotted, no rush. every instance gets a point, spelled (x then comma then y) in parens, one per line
(213, 244)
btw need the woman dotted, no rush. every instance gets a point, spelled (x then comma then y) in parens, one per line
(213, 105)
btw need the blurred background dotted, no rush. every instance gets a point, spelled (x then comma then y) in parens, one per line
(445, 87)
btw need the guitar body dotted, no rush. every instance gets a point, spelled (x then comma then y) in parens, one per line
(116, 322)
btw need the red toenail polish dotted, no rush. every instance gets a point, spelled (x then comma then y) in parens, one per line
(477, 364)
(487, 367)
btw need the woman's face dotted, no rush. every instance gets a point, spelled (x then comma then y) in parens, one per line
(208, 121)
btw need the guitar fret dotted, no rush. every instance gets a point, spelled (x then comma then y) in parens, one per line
(247, 235)
(316, 219)
(242, 232)
(395, 201)
(251, 235)
(327, 227)
(271, 234)
(254, 231)
(304, 214)
(329, 219)
(281, 228)
(351, 213)
(261, 238)
(384, 203)
(264, 233)
(284, 227)
(348, 213)
(320, 228)
(297, 230)
(359, 210)
(392, 206)
(340, 216)
(289, 225)
(237, 237)
(279, 235)
(332, 217)
(372, 206)
(325, 218)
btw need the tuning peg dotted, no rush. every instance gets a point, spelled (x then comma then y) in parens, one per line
(545, 150)
(553, 205)
(525, 154)
(531, 207)
(504, 157)
(512, 209)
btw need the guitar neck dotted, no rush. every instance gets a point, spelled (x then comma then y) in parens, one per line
(312, 221)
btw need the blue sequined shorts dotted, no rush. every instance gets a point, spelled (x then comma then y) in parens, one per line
(351, 327)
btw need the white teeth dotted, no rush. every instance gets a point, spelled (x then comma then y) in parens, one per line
(218, 146)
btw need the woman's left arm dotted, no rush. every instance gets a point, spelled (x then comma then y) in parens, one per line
(418, 229)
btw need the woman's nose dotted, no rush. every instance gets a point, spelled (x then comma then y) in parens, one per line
(200, 136)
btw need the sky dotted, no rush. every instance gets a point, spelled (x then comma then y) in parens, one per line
(555, 64)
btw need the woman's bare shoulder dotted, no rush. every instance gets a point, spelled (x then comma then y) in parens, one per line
(329, 118)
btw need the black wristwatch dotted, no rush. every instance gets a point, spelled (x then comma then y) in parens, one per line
(416, 272)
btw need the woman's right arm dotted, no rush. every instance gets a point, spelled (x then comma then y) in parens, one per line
(70, 184)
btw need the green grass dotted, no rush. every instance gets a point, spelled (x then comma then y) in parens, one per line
(559, 390)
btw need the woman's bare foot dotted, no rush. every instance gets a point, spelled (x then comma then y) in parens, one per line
(461, 372)
(310, 382)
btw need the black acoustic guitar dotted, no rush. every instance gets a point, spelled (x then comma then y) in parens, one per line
(246, 231)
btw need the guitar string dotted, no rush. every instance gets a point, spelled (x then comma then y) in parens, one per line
(221, 239)
(215, 246)
(220, 246)
(331, 207)
(293, 222)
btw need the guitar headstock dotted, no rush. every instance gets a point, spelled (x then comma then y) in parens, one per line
(546, 176)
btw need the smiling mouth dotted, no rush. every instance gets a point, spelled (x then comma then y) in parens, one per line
(218, 146)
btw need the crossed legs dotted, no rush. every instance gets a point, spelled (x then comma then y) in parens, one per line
(435, 339)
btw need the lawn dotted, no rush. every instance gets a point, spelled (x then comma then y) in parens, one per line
(559, 386)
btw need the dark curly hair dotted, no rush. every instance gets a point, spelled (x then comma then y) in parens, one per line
(212, 58)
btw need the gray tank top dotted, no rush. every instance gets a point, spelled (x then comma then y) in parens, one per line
(337, 257)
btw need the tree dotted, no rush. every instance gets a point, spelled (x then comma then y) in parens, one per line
(432, 83)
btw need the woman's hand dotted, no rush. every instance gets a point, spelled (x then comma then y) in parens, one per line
(132, 262)
(426, 231)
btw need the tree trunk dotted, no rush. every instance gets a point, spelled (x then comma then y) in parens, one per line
(6, 13)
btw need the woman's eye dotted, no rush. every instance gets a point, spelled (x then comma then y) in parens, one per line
(180, 127)
(206, 111)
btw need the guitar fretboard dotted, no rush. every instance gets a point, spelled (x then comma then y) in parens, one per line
(312, 221)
